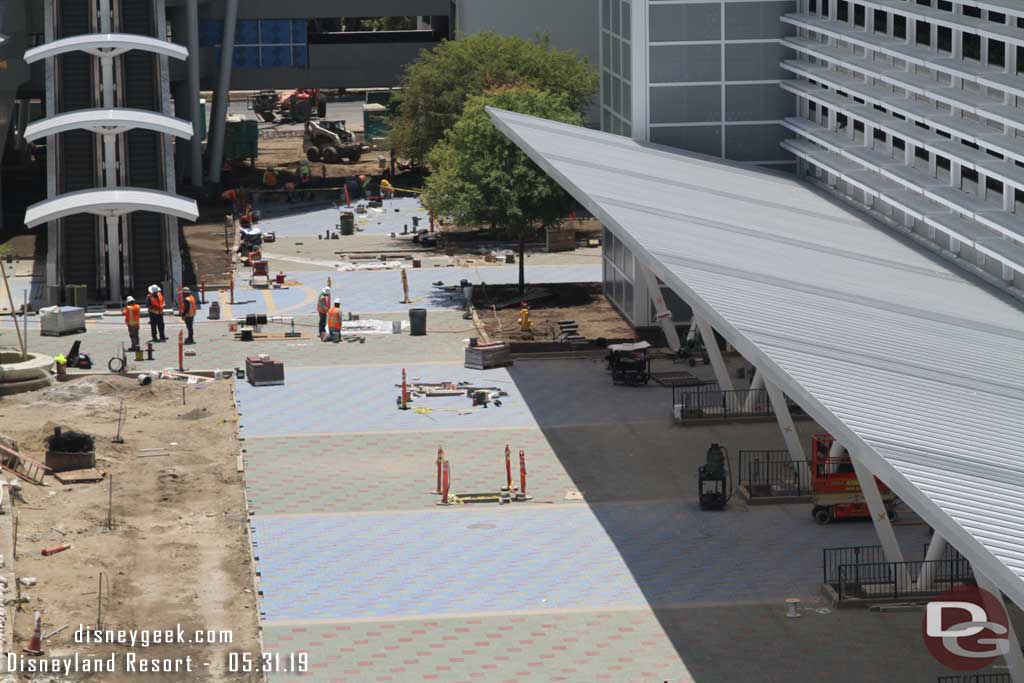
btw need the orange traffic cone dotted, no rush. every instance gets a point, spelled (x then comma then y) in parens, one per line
(35, 646)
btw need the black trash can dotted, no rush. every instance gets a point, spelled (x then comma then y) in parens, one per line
(417, 322)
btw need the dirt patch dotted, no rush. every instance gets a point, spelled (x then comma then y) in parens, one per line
(178, 552)
(285, 154)
(583, 303)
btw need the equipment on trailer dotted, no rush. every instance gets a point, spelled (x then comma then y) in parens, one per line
(693, 351)
(714, 479)
(630, 363)
(299, 105)
(837, 492)
(330, 142)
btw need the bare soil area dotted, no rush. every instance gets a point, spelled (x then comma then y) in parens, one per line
(583, 303)
(178, 552)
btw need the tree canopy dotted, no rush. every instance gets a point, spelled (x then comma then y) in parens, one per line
(436, 86)
(480, 177)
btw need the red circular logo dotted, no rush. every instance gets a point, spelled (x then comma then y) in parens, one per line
(965, 628)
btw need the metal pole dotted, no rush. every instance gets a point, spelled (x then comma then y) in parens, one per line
(927, 575)
(220, 101)
(715, 354)
(192, 20)
(110, 503)
(24, 315)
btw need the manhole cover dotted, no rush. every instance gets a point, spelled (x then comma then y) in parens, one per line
(480, 526)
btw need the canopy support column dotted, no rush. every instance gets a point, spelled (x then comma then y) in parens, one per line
(756, 384)
(218, 121)
(936, 548)
(785, 421)
(661, 310)
(715, 354)
(879, 515)
(1014, 658)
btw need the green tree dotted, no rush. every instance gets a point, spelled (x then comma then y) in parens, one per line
(480, 177)
(435, 87)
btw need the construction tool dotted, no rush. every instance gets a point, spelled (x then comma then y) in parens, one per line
(405, 288)
(837, 492)
(714, 479)
(403, 398)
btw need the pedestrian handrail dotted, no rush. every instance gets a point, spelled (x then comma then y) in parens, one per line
(975, 678)
(773, 474)
(899, 580)
(709, 401)
(862, 555)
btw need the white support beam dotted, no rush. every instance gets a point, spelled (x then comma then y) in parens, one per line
(936, 548)
(785, 420)
(755, 384)
(1014, 658)
(192, 19)
(879, 515)
(661, 311)
(715, 354)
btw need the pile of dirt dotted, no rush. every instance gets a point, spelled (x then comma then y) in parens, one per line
(178, 552)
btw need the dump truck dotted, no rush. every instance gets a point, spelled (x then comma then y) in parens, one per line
(330, 142)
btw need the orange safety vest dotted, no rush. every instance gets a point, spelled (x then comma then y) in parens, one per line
(323, 304)
(190, 307)
(156, 303)
(131, 315)
(334, 318)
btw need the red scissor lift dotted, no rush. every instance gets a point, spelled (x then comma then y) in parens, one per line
(837, 493)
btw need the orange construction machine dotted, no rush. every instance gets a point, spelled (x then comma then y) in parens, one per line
(837, 493)
(299, 105)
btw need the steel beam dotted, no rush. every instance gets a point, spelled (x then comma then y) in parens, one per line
(715, 354)
(192, 21)
(926, 577)
(218, 120)
(879, 515)
(1014, 658)
(661, 311)
(785, 421)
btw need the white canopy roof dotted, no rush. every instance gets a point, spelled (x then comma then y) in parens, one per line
(108, 121)
(110, 202)
(918, 371)
(105, 45)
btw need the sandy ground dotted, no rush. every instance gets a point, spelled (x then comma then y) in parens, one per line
(286, 154)
(178, 553)
(583, 303)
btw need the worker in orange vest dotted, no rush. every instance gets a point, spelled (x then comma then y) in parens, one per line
(188, 312)
(323, 305)
(334, 321)
(132, 317)
(155, 305)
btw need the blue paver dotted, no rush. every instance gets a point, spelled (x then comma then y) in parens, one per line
(517, 559)
(362, 399)
(381, 291)
(316, 221)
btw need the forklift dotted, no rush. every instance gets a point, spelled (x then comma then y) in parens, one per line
(714, 479)
(837, 493)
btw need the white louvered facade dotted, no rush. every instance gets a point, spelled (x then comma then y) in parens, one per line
(913, 109)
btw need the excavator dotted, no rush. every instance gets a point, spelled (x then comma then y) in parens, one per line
(330, 142)
(297, 105)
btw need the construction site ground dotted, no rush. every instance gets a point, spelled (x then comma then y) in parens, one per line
(611, 572)
(177, 551)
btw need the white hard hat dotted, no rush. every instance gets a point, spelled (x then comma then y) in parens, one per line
(325, 290)
(153, 289)
(130, 299)
(337, 301)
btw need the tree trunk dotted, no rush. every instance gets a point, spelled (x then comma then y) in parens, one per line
(522, 263)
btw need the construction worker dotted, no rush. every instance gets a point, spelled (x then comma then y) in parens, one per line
(270, 177)
(132, 317)
(334, 321)
(155, 304)
(323, 305)
(386, 190)
(188, 312)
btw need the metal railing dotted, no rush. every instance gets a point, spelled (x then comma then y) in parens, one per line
(899, 580)
(975, 678)
(709, 401)
(772, 474)
(833, 558)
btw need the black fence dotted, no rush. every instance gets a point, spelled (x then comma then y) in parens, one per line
(709, 401)
(773, 474)
(861, 572)
(975, 678)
